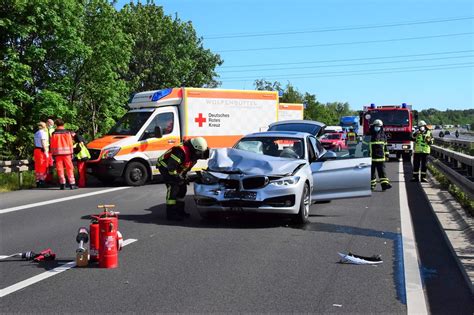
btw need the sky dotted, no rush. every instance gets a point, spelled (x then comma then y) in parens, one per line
(419, 52)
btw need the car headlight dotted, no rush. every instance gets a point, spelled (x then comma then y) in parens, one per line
(110, 152)
(286, 181)
(208, 179)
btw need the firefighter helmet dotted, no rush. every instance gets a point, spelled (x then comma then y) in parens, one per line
(421, 123)
(199, 144)
(378, 122)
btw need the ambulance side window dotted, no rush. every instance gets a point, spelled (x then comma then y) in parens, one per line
(164, 120)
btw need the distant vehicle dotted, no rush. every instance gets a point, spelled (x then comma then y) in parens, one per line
(312, 127)
(290, 111)
(333, 129)
(398, 124)
(350, 121)
(277, 172)
(334, 141)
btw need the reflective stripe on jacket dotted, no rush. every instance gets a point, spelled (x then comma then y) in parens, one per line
(177, 160)
(423, 140)
(61, 142)
(83, 154)
(378, 146)
(351, 138)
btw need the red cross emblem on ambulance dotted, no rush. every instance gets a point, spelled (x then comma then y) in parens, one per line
(200, 120)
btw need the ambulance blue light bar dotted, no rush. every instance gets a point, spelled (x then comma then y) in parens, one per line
(404, 105)
(160, 94)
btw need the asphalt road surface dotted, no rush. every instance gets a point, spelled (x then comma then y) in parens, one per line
(241, 263)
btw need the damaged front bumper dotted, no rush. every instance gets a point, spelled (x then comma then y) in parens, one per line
(284, 199)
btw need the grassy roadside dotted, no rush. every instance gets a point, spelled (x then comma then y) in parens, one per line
(466, 202)
(10, 181)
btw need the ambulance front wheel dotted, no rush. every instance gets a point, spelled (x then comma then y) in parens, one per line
(135, 174)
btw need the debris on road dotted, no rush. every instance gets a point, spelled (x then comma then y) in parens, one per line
(337, 305)
(351, 258)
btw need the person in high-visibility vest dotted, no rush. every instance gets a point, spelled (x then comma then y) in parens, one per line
(49, 172)
(351, 141)
(173, 165)
(423, 140)
(379, 154)
(62, 149)
(81, 154)
(41, 154)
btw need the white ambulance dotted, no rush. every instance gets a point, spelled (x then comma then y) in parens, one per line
(131, 148)
(290, 111)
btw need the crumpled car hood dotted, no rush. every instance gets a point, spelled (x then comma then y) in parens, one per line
(229, 160)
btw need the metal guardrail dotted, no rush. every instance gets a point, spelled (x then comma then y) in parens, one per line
(456, 143)
(18, 166)
(458, 167)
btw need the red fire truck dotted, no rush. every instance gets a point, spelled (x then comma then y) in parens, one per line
(398, 123)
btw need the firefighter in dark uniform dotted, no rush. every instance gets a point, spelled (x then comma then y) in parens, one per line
(379, 154)
(173, 166)
(423, 140)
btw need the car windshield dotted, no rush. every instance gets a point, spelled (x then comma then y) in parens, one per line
(390, 117)
(130, 124)
(309, 128)
(285, 147)
(331, 136)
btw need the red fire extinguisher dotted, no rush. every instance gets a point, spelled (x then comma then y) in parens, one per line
(108, 251)
(94, 238)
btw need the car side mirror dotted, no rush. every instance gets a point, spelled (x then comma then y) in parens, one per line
(158, 133)
(328, 155)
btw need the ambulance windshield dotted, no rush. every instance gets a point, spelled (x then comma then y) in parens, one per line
(130, 124)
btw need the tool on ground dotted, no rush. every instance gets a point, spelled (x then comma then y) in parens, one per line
(44, 255)
(82, 254)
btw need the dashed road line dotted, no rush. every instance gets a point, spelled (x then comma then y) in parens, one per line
(47, 274)
(43, 203)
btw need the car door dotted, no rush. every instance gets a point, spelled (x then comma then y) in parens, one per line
(344, 175)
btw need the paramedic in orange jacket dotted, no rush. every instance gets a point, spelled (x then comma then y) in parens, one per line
(41, 154)
(62, 149)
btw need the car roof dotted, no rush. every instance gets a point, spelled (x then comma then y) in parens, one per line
(298, 121)
(292, 134)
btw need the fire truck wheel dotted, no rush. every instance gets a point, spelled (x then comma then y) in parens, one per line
(135, 174)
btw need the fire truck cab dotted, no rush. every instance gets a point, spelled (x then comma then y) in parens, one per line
(398, 123)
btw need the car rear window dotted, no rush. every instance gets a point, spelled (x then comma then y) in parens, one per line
(309, 128)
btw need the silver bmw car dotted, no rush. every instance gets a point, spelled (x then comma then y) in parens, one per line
(277, 172)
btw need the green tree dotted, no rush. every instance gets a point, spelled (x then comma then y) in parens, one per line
(39, 41)
(166, 52)
(99, 91)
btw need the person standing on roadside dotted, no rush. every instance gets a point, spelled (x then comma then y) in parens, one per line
(62, 150)
(423, 140)
(379, 154)
(41, 154)
(81, 154)
(49, 172)
(351, 141)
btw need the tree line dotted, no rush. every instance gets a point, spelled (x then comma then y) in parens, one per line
(81, 60)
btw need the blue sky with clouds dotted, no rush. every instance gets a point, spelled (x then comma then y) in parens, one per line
(371, 51)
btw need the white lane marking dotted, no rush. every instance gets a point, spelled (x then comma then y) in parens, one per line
(47, 274)
(3, 257)
(416, 302)
(42, 203)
